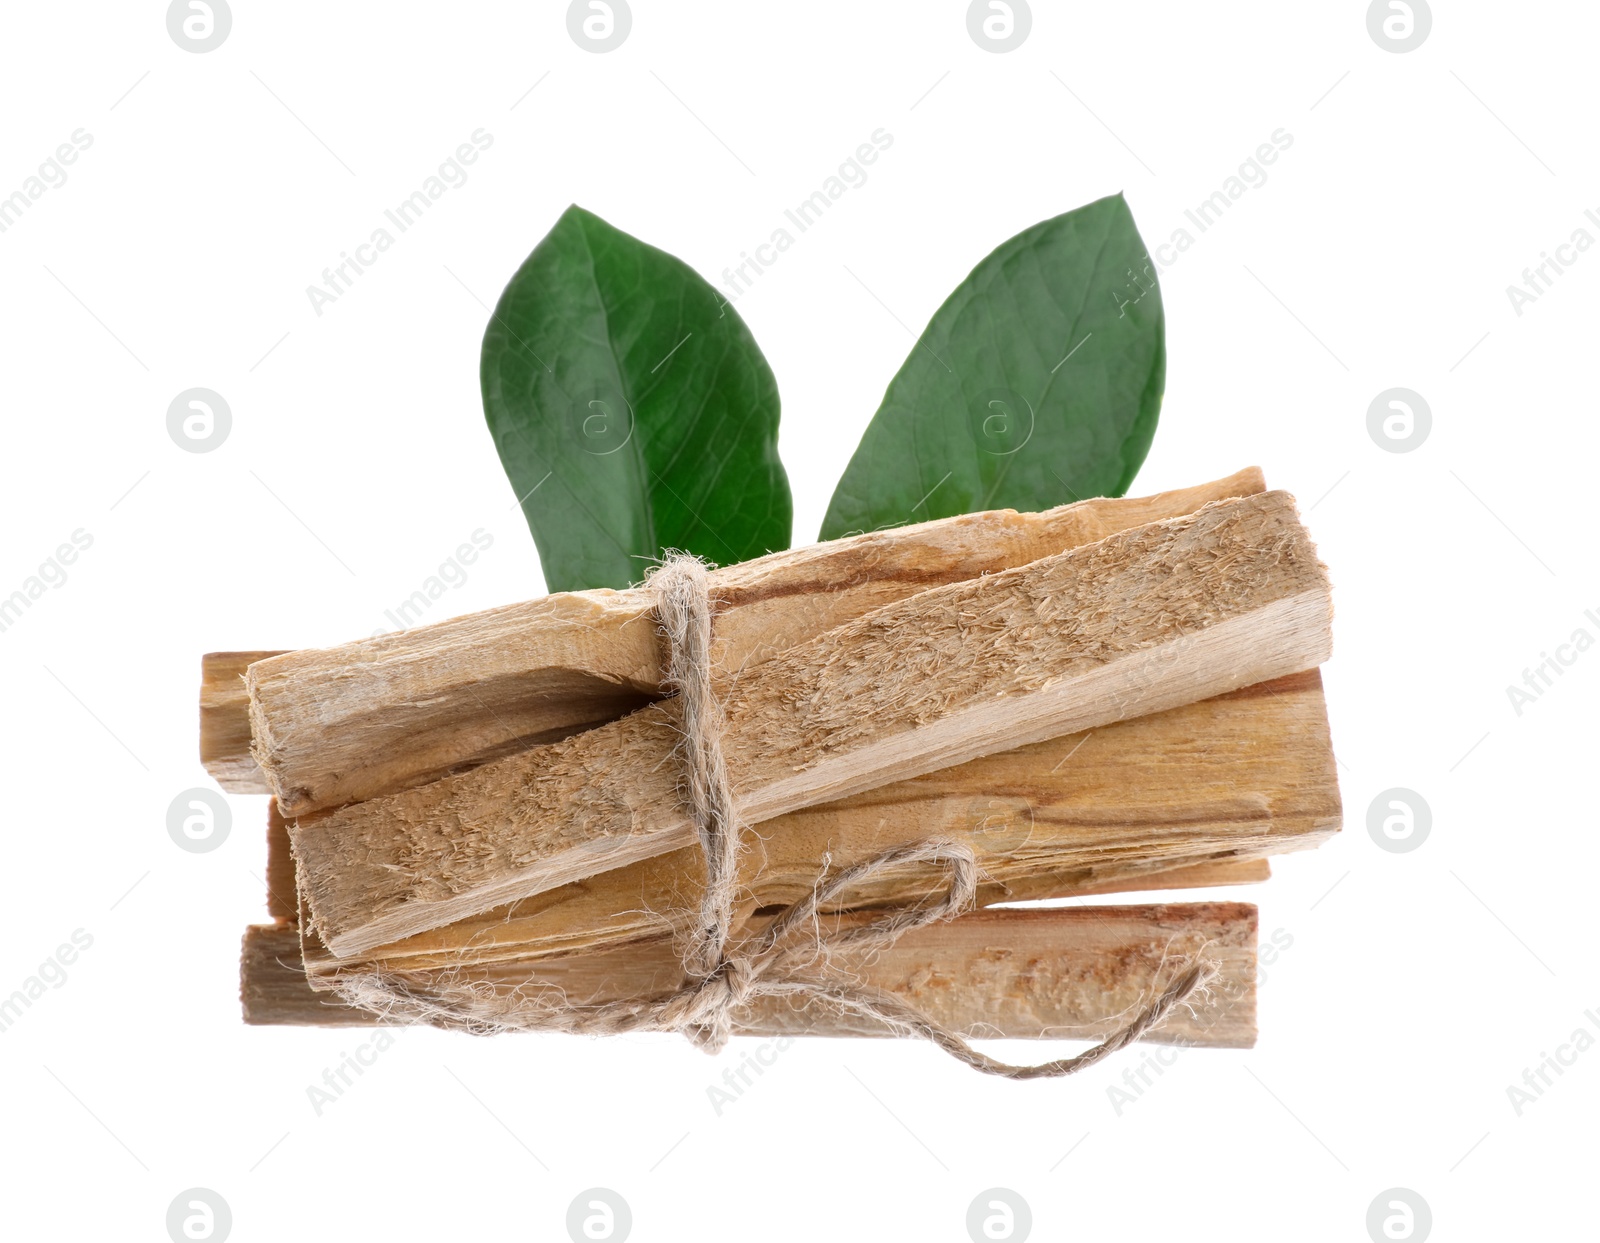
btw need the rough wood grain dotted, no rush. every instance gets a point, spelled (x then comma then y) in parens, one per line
(1245, 774)
(1215, 872)
(369, 718)
(272, 984)
(477, 942)
(282, 901)
(225, 722)
(1144, 620)
(1071, 973)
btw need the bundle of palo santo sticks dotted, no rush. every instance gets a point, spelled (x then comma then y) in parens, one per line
(486, 818)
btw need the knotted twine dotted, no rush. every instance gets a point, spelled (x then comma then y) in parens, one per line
(721, 979)
(792, 957)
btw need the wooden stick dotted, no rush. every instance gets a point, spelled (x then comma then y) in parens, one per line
(282, 900)
(1247, 773)
(1038, 885)
(1144, 620)
(225, 722)
(1073, 973)
(273, 989)
(469, 943)
(322, 970)
(1066, 883)
(386, 714)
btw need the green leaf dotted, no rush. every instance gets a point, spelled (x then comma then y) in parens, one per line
(1038, 382)
(632, 410)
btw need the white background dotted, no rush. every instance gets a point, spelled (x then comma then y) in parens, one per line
(1419, 986)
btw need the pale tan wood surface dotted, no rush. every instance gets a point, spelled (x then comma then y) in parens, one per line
(225, 722)
(1214, 872)
(282, 902)
(1245, 774)
(344, 724)
(1146, 619)
(1077, 972)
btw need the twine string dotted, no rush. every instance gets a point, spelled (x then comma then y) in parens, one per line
(721, 979)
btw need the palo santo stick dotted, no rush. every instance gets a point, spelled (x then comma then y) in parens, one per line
(282, 901)
(1141, 621)
(1250, 772)
(1071, 973)
(382, 715)
(1039, 884)
(322, 971)
(225, 722)
(273, 989)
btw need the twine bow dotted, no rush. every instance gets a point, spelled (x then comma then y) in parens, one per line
(720, 979)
